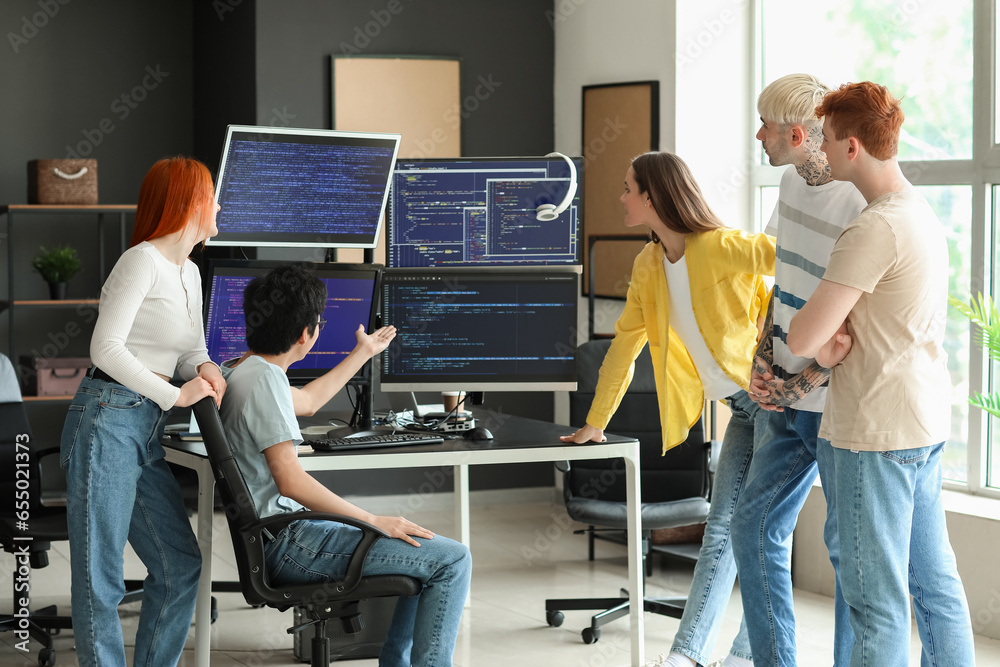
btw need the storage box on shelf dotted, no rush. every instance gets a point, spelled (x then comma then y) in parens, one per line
(15, 215)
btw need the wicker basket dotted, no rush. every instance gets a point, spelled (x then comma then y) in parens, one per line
(62, 182)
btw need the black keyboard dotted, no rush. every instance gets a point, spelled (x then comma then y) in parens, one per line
(346, 443)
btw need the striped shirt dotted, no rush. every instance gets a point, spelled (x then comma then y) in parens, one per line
(807, 222)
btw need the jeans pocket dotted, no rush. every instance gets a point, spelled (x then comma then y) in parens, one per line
(70, 433)
(907, 456)
(123, 398)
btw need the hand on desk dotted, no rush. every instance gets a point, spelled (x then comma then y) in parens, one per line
(586, 434)
(401, 528)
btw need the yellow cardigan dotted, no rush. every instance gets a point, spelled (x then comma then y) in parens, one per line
(727, 295)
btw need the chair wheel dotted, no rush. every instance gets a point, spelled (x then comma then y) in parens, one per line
(554, 618)
(590, 635)
(46, 658)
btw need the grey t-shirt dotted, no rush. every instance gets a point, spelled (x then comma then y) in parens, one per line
(257, 413)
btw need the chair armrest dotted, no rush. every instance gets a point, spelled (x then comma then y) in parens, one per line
(355, 568)
(45, 451)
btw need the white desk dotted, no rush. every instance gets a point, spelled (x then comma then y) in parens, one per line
(517, 440)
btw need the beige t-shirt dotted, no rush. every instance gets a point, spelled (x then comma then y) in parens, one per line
(893, 390)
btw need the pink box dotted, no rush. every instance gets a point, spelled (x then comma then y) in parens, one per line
(55, 376)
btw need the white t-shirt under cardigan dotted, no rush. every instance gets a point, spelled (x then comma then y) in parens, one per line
(150, 322)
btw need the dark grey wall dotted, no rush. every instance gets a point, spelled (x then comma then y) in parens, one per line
(508, 43)
(73, 68)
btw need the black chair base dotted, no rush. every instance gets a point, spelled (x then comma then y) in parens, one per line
(612, 609)
(40, 625)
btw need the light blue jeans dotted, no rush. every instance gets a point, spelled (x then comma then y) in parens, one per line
(424, 627)
(894, 545)
(120, 489)
(715, 572)
(786, 459)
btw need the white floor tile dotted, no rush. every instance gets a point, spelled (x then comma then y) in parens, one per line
(524, 554)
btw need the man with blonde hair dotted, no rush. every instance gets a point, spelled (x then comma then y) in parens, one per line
(812, 211)
(877, 319)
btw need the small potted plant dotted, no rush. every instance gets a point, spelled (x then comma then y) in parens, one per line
(57, 266)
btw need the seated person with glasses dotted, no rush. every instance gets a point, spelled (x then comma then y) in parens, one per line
(283, 313)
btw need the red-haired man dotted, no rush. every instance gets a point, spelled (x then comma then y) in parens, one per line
(878, 319)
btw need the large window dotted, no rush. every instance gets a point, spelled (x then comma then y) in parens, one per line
(927, 53)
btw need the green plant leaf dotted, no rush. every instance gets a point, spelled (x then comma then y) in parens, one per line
(984, 315)
(988, 402)
(57, 265)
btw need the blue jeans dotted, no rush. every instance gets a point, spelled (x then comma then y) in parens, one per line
(894, 545)
(424, 627)
(786, 459)
(715, 572)
(120, 489)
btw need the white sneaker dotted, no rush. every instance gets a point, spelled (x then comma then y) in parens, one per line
(671, 660)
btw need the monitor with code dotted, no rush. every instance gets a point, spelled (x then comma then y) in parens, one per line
(479, 329)
(351, 300)
(303, 188)
(482, 212)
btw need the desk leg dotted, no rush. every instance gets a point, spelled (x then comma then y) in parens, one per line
(203, 604)
(635, 559)
(462, 514)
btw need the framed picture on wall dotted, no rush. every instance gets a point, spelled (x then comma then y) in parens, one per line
(620, 121)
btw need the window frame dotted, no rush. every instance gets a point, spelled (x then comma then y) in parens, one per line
(981, 173)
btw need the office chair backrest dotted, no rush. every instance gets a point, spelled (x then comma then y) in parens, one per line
(19, 469)
(240, 510)
(681, 473)
(239, 505)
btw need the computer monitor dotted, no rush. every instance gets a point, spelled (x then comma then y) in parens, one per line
(352, 299)
(303, 188)
(482, 211)
(480, 329)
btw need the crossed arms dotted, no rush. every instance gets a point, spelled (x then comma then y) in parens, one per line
(819, 331)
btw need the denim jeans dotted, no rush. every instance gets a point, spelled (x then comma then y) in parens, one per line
(786, 458)
(120, 489)
(894, 545)
(715, 572)
(424, 627)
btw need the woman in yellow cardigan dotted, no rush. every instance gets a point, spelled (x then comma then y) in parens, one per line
(696, 297)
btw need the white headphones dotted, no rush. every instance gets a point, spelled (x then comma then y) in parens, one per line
(549, 212)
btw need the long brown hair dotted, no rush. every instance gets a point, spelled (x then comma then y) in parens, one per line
(175, 190)
(675, 195)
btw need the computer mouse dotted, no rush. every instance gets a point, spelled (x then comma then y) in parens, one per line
(480, 433)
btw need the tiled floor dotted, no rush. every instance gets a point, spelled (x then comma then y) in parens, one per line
(523, 554)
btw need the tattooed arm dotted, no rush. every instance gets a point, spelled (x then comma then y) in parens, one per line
(775, 394)
(761, 372)
(784, 393)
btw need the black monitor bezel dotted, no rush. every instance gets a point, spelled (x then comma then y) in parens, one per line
(303, 375)
(578, 161)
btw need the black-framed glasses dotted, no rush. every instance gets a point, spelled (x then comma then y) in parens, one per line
(322, 322)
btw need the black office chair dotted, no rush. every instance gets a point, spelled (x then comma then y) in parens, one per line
(675, 487)
(27, 528)
(334, 599)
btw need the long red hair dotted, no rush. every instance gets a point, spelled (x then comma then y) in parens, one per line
(174, 191)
